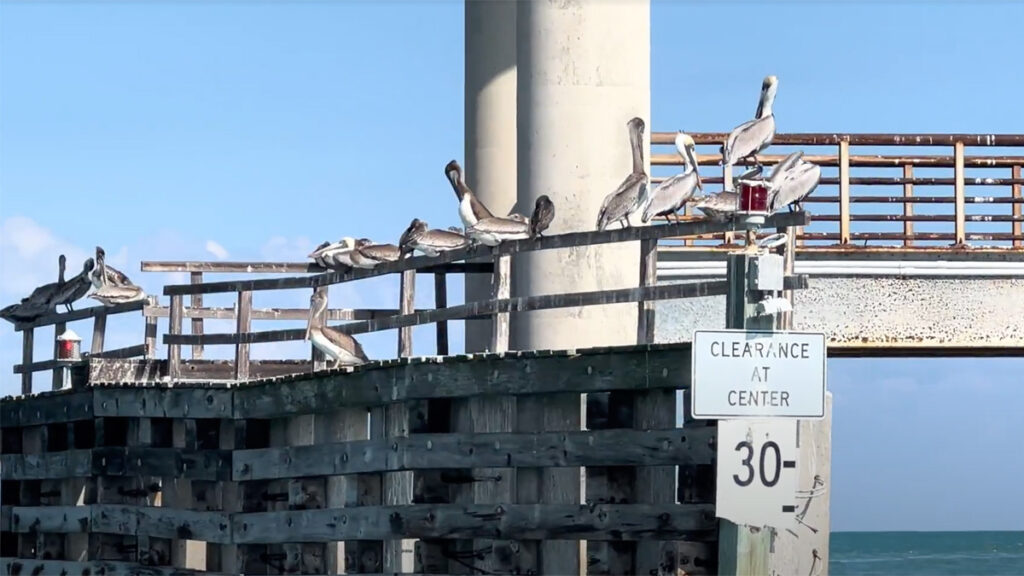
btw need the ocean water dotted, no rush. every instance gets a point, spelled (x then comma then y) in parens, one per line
(927, 553)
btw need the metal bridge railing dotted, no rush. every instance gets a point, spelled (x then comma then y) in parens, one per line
(917, 198)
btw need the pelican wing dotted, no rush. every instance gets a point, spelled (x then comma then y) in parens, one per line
(670, 195)
(345, 342)
(479, 210)
(501, 226)
(442, 239)
(748, 138)
(73, 289)
(622, 201)
(542, 217)
(787, 164)
(380, 252)
(718, 206)
(797, 184)
(110, 295)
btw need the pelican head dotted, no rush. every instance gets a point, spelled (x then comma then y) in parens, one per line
(349, 243)
(768, 88)
(322, 245)
(88, 266)
(454, 172)
(100, 253)
(687, 149)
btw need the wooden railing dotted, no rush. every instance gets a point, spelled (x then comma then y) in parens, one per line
(847, 215)
(498, 307)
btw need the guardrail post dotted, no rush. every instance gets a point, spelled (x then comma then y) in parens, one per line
(441, 301)
(500, 290)
(174, 350)
(648, 277)
(908, 207)
(99, 333)
(27, 343)
(406, 305)
(958, 191)
(1015, 191)
(728, 237)
(319, 358)
(150, 318)
(196, 301)
(844, 192)
(243, 325)
(58, 372)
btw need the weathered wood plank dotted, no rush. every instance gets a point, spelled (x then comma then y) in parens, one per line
(80, 314)
(195, 371)
(287, 267)
(195, 301)
(243, 324)
(501, 281)
(648, 277)
(345, 314)
(175, 327)
(46, 408)
(181, 401)
(211, 465)
(406, 304)
(441, 301)
(486, 308)
(428, 263)
(117, 353)
(97, 567)
(59, 519)
(621, 447)
(48, 465)
(591, 370)
(125, 520)
(512, 521)
(27, 349)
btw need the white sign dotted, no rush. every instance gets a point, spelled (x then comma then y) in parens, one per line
(757, 472)
(758, 374)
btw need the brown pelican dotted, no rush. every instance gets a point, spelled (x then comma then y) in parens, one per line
(795, 184)
(753, 136)
(103, 274)
(430, 242)
(24, 311)
(342, 348)
(471, 209)
(780, 169)
(367, 254)
(543, 214)
(631, 193)
(493, 231)
(111, 295)
(676, 191)
(75, 288)
(317, 254)
(719, 206)
(338, 254)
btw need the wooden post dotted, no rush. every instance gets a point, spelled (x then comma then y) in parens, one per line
(500, 289)
(648, 277)
(730, 237)
(406, 305)
(908, 207)
(99, 332)
(243, 324)
(844, 192)
(1015, 191)
(397, 486)
(958, 192)
(441, 301)
(174, 350)
(150, 331)
(196, 301)
(319, 358)
(27, 343)
(58, 372)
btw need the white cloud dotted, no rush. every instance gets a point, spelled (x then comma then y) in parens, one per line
(282, 249)
(218, 251)
(28, 257)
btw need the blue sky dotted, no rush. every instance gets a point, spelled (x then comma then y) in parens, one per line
(146, 127)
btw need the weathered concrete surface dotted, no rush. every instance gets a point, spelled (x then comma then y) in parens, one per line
(490, 128)
(887, 311)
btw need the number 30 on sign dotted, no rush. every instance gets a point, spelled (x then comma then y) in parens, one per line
(757, 472)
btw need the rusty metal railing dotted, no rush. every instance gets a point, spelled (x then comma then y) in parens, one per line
(869, 196)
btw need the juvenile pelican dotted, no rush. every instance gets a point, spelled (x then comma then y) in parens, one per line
(676, 191)
(543, 214)
(632, 192)
(753, 136)
(493, 231)
(367, 254)
(471, 208)
(76, 287)
(340, 347)
(719, 206)
(430, 242)
(111, 295)
(796, 184)
(104, 274)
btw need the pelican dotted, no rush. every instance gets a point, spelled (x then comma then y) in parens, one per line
(110, 295)
(43, 298)
(780, 169)
(430, 242)
(493, 231)
(753, 136)
(75, 288)
(471, 209)
(543, 214)
(103, 274)
(367, 254)
(24, 311)
(719, 206)
(631, 193)
(339, 253)
(317, 254)
(340, 347)
(676, 191)
(794, 186)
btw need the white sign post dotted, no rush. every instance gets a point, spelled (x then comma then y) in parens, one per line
(758, 374)
(757, 472)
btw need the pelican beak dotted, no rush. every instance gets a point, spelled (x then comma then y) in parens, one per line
(306, 337)
(692, 158)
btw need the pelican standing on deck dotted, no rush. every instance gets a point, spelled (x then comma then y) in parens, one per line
(631, 193)
(543, 214)
(340, 347)
(471, 209)
(676, 191)
(753, 136)
(418, 236)
(76, 287)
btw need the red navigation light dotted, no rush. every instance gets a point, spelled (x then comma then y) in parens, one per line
(67, 349)
(753, 197)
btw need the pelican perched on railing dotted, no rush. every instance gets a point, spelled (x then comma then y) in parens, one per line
(632, 192)
(340, 347)
(107, 275)
(338, 254)
(543, 214)
(676, 191)
(753, 136)
(109, 293)
(418, 236)
(367, 254)
(721, 206)
(75, 288)
(317, 255)
(471, 209)
(494, 231)
(795, 183)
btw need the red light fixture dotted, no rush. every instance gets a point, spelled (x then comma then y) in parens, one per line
(753, 197)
